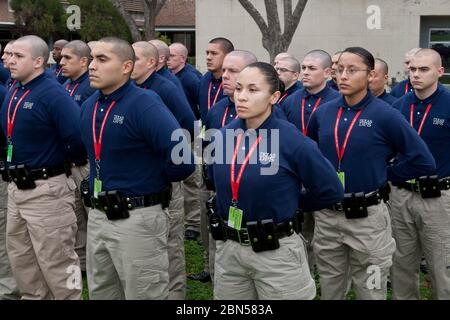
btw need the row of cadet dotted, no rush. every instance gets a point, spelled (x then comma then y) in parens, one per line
(360, 190)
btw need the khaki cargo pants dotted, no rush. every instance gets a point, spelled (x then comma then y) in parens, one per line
(40, 238)
(127, 258)
(364, 245)
(420, 226)
(192, 201)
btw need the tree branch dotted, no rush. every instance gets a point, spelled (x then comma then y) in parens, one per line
(135, 34)
(159, 6)
(291, 22)
(272, 16)
(248, 6)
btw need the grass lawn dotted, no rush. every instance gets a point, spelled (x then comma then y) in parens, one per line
(203, 291)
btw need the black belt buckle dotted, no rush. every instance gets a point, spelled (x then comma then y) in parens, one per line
(85, 195)
(21, 177)
(216, 226)
(113, 204)
(429, 187)
(354, 205)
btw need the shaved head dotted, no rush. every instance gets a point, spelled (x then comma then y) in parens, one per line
(179, 48)
(382, 64)
(431, 54)
(148, 49)
(163, 49)
(282, 55)
(412, 52)
(247, 56)
(79, 48)
(120, 48)
(91, 44)
(60, 43)
(324, 57)
(38, 46)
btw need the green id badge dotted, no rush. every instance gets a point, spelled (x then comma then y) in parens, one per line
(9, 153)
(235, 218)
(413, 181)
(97, 187)
(341, 176)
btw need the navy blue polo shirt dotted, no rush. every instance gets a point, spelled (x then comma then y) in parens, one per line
(46, 128)
(190, 83)
(297, 163)
(294, 88)
(3, 94)
(57, 72)
(402, 88)
(216, 89)
(292, 107)
(386, 97)
(379, 132)
(4, 74)
(436, 128)
(221, 114)
(164, 72)
(136, 150)
(79, 89)
(189, 67)
(173, 98)
(331, 84)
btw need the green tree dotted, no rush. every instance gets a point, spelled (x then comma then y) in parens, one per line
(45, 18)
(99, 19)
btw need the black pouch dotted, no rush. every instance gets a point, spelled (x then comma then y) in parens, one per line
(354, 206)
(21, 177)
(216, 226)
(85, 195)
(298, 219)
(429, 187)
(113, 205)
(4, 174)
(166, 197)
(209, 184)
(264, 233)
(211, 206)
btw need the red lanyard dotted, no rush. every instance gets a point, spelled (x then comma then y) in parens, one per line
(10, 121)
(73, 89)
(98, 145)
(406, 88)
(59, 71)
(282, 98)
(305, 128)
(235, 183)
(341, 152)
(411, 117)
(224, 119)
(209, 95)
(12, 85)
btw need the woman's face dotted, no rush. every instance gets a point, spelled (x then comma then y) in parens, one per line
(253, 97)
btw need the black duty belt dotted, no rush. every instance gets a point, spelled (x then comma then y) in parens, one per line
(24, 178)
(133, 202)
(435, 184)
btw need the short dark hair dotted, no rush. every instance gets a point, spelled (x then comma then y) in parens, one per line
(365, 55)
(79, 48)
(121, 48)
(225, 44)
(270, 75)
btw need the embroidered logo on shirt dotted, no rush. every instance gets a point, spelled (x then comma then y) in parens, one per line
(265, 157)
(365, 123)
(438, 122)
(78, 97)
(28, 105)
(118, 119)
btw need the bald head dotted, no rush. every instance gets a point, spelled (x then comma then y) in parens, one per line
(381, 66)
(38, 47)
(146, 61)
(91, 44)
(282, 55)
(148, 49)
(246, 56)
(408, 57)
(322, 56)
(432, 55)
(120, 48)
(163, 51)
(179, 48)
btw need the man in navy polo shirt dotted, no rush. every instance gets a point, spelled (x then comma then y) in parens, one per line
(189, 80)
(378, 82)
(127, 132)
(74, 65)
(75, 58)
(40, 122)
(301, 106)
(288, 70)
(56, 52)
(405, 86)
(7, 53)
(163, 56)
(145, 75)
(420, 209)
(210, 89)
(332, 83)
(4, 72)
(357, 133)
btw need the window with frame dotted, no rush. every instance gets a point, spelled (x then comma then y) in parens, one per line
(440, 41)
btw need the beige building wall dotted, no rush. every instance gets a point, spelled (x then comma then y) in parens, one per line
(330, 25)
